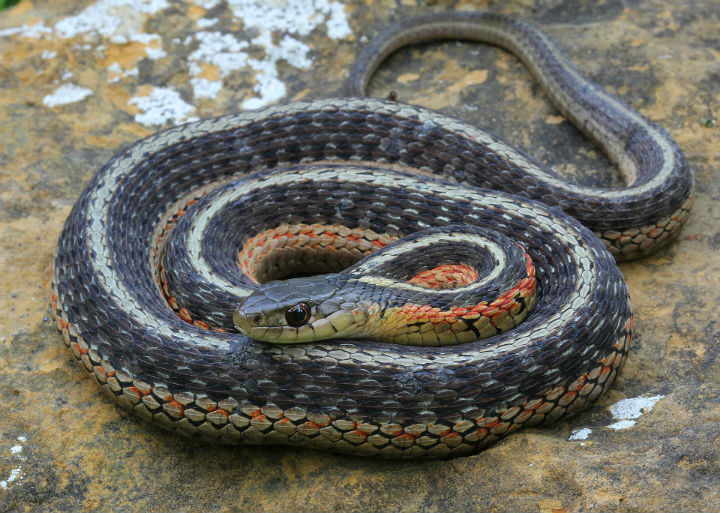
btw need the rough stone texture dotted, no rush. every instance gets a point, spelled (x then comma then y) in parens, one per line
(65, 446)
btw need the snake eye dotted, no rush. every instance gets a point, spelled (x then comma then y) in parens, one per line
(297, 315)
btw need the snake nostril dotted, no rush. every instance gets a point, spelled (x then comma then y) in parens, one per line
(257, 319)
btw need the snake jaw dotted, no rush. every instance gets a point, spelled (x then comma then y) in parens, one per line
(262, 315)
(262, 320)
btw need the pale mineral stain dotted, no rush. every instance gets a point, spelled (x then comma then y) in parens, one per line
(455, 86)
(407, 77)
(554, 120)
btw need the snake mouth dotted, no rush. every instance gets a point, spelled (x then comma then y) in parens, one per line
(268, 328)
(259, 319)
(245, 323)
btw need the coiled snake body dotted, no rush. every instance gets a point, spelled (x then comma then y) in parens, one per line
(323, 183)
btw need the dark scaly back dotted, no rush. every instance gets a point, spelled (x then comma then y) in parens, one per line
(633, 221)
(126, 326)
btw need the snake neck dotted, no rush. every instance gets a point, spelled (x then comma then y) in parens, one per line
(441, 286)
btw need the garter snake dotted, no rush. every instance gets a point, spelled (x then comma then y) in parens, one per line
(196, 215)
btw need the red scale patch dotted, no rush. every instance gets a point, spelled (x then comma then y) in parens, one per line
(308, 237)
(453, 276)
(449, 276)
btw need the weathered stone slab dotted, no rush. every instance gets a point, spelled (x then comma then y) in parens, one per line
(81, 79)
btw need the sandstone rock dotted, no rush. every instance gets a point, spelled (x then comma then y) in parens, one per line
(81, 79)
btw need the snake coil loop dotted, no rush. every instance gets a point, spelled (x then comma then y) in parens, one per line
(197, 215)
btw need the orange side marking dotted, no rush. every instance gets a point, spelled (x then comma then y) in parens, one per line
(504, 303)
(179, 407)
(445, 276)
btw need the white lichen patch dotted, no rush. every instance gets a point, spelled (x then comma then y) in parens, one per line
(206, 4)
(119, 21)
(298, 17)
(206, 22)
(269, 87)
(33, 31)
(152, 42)
(66, 94)
(16, 473)
(622, 424)
(626, 410)
(218, 49)
(580, 434)
(274, 29)
(111, 18)
(290, 18)
(163, 105)
(204, 88)
(116, 72)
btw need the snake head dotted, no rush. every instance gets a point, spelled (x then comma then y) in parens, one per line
(297, 310)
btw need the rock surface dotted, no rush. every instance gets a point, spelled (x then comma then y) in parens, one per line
(81, 79)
